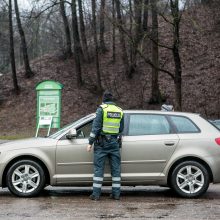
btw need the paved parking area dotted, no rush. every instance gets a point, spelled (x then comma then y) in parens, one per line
(3, 141)
(136, 203)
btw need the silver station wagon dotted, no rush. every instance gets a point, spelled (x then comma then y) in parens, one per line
(174, 149)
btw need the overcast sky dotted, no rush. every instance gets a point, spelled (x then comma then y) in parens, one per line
(24, 4)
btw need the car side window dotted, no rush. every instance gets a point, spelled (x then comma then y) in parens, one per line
(84, 131)
(184, 125)
(148, 124)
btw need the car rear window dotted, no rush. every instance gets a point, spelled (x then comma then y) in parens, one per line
(148, 124)
(184, 125)
(216, 124)
(213, 123)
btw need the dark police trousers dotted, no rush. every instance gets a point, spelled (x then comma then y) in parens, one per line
(110, 150)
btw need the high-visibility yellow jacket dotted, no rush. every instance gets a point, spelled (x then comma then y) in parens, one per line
(112, 116)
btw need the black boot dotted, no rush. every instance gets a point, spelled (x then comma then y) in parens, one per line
(114, 197)
(93, 197)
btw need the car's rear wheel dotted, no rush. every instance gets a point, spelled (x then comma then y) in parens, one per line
(25, 178)
(190, 179)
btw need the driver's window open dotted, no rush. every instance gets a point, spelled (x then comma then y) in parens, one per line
(84, 131)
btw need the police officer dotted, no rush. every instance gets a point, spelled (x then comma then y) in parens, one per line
(106, 129)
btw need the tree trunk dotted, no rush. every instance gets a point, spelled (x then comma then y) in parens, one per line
(12, 55)
(178, 93)
(28, 71)
(120, 25)
(155, 91)
(130, 31)
(68, 50)
(76, 28)
(83, 32)
(102, 27)
(113, 31)
(145, 16)
(77, 46)
(137, 19)
(174, 5)
(96, 45)
(137, 32)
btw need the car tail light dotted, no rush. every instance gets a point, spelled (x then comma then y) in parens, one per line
(217, 140)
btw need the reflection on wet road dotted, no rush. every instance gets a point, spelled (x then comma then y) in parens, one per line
(136, 203)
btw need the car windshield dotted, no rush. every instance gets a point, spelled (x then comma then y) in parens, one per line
(68, 126)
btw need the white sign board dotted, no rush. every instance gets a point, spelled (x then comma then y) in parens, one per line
(44, 121)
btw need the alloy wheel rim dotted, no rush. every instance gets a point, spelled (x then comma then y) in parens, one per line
(190, 179)
(25, 178)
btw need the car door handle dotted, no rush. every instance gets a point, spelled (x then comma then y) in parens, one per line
(169, 143)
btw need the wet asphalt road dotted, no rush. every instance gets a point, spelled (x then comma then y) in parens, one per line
(136, 203)
(56, 203)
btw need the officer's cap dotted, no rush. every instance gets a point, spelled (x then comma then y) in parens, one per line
(107, 96)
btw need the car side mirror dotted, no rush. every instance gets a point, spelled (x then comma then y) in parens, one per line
(71, 134)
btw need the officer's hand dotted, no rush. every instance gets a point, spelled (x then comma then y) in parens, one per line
(89, 148)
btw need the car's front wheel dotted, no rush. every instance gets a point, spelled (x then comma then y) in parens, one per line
(190, 179)
(25, 178)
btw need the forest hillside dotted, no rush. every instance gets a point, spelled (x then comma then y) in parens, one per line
(200, 56)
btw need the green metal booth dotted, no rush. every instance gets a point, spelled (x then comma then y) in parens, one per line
(48, 105)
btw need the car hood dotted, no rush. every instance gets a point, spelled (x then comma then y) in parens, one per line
(28, 143)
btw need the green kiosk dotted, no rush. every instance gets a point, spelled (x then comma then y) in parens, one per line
(48, 105)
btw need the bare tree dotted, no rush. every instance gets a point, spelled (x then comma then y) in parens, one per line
(176, 15)
(137, 20)
(113, 31)
(130, 30)
(77, 45)
(68, 50)
(102, 27)
(83, 32)
(145, 15)
(96, 45)
(137, 32)
(120, 25)
(4, 39)
(155, 91)
(28, 71)
(12, 56)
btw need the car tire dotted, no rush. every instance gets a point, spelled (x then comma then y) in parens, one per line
(25, 178)
(190, 179)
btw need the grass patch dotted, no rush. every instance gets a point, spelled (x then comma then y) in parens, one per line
(14, 137)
